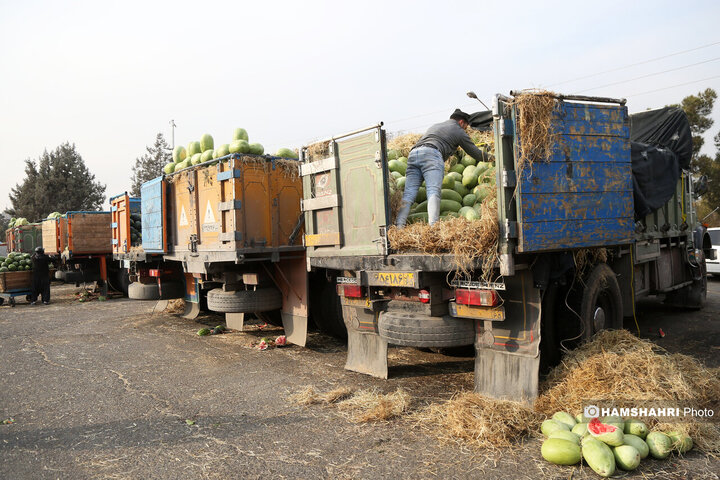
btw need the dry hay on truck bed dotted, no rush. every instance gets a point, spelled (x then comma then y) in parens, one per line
(470, 242)
(534, 118)
(617, 369)
(404, 143)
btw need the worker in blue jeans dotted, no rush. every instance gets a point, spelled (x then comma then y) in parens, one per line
(427, 161)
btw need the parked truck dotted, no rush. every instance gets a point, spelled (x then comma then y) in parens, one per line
(24, 238)
(142, 273)
(80, 243)
(233, 226)
(581, 198)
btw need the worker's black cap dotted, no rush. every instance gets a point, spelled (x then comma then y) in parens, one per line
(460, 115)
(39, 250)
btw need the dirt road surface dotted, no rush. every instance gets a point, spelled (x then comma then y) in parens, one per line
(111, 390)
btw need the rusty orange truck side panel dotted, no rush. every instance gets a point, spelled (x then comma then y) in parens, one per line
(252, 207)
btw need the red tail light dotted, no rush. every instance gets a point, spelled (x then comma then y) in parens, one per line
(354, 291)
(487, 298)
(424, 296)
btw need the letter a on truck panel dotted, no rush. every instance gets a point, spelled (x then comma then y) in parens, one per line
(209, 216)
(183, 217)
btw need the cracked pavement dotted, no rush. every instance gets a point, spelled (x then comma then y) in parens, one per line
(104, 389)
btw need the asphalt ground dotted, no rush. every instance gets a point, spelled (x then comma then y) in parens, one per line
(113, 390)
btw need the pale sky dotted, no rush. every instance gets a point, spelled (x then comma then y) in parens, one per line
(109, 75)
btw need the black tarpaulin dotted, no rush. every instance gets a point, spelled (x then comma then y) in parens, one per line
(666, 127)
(661, 147)
(481, 120)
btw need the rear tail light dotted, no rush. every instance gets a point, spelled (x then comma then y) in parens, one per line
(354, 291)
(486, 298)
(424, 296)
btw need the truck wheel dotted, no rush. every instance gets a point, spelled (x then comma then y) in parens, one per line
(415, 330)
(326, 308)
(601, 305)
(244, 301)
(143, 291)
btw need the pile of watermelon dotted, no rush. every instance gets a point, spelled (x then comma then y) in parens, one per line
(608, 443)
(16, 222)
(15, 262)
(135, 228)
(202, 151)
(465, 185)
(54, 215)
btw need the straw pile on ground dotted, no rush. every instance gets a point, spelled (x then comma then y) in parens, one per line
(174, 306)
(360, 406)
(621, 370)
(480, 421)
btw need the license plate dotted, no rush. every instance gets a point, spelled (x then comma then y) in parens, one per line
(356, 302)
(480, 313)
(393, 279)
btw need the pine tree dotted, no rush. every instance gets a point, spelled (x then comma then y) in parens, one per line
(150, 165)
(57, 181)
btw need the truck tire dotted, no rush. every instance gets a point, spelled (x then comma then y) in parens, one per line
(244, 301)
(417, 330)
(143, 291)
(601, 305)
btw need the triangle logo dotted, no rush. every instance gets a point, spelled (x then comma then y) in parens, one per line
(183, 217)
(209, 215)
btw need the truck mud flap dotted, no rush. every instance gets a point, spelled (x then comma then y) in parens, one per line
(290, 276)
(192, 310)
(507, 357)
(367, 351)
(295, 328)
(192, 297)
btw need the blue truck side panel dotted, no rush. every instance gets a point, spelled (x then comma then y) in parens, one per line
(582, 196)
(153, 213)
